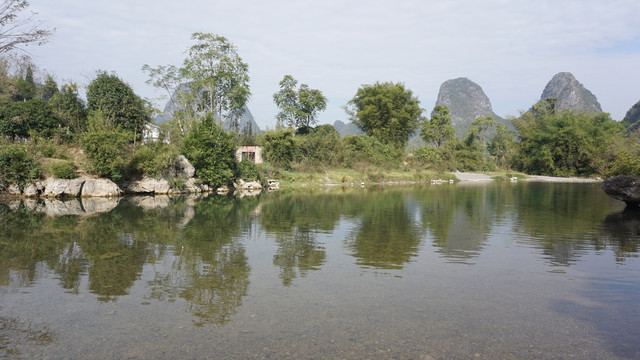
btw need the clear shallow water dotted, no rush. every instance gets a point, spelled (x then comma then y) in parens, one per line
(520, 271)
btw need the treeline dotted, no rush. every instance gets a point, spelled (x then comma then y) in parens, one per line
(50, 130)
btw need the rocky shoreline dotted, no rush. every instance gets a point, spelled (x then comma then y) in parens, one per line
(91, 187)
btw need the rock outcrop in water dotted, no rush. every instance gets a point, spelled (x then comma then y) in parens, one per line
(571, 94)
(624, 188)
(466, 101)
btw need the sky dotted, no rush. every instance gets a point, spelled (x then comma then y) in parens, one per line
(511, 48)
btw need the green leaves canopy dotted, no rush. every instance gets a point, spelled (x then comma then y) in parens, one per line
(298, 108)
(117, 101)
(438, 130)
(386, 111)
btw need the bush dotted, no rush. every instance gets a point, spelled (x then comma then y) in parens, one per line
(247, 170)
(210, 150)
(17, 165)
(64, 170)
(363, 149)
(20, 119)
(279, 148)
(320, 145)
(107, 153)
(439, 159)
(153, 159)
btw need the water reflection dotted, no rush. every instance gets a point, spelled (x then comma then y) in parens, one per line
(195, 247)
(622, 233)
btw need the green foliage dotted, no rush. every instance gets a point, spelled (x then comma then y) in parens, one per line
(22, 118)
(107, 152)
(279, 147)
(321, 145)
(49, 88)
(69, 107)
(117, 101)
(565, 143)
(215, 71)
(626, 162)
(247, 170)
(502, 146)
(64, 170)
(298, 108)
(386, 111)
(210, 150)
(17, 165)
(366, 149)
(438, 130)
(153, 159)
(439, 159)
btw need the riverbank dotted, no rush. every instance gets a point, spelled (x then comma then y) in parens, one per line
(468, 176)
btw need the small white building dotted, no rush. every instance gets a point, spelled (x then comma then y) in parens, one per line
(249, 152)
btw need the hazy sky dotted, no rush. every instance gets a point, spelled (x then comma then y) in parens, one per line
(510, 48)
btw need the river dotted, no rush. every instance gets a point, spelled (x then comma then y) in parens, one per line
(493, 270)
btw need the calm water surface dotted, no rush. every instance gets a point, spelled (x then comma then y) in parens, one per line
(475, 271)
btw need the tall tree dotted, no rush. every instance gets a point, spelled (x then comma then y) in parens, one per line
(213, 80)
(438, 130)
(298, 108)
(16, 31)
(49, 88)
(216, 72)
(386, 111)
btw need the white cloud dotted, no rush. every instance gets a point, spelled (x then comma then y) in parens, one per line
(510, 48)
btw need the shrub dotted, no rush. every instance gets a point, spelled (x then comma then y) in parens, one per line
(64, 170)
(321, 145)
(279, 148)
(107, 153)
(153, 159)
(20, 119)
(366, 149)
(247, 170)
(210, 150)
(17, 165)
(439, 159)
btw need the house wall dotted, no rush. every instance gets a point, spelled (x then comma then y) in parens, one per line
(256, 150)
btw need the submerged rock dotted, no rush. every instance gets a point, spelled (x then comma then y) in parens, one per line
(624, 188)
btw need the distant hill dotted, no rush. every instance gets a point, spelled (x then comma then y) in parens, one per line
(633, 117)
(466, 101)
(571, 94)
(244, 124)
(346, 129)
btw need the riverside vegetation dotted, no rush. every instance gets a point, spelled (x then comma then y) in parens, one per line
(49, 130)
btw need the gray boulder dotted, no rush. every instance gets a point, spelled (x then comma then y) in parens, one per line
(33, 189)
(54, 187)
(100, 187)
(184, 167)
(624, 188)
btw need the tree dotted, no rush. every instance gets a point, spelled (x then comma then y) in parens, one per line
(216, 72)
(501, 145)
(71, 109)
(438, 130)
(298, 108)
(117, 101)
(565, 143)
(482, 125)
(386, 111)
(210, 149)
(213, 80)
(49, 88)
(16, 31)
(22, 118)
